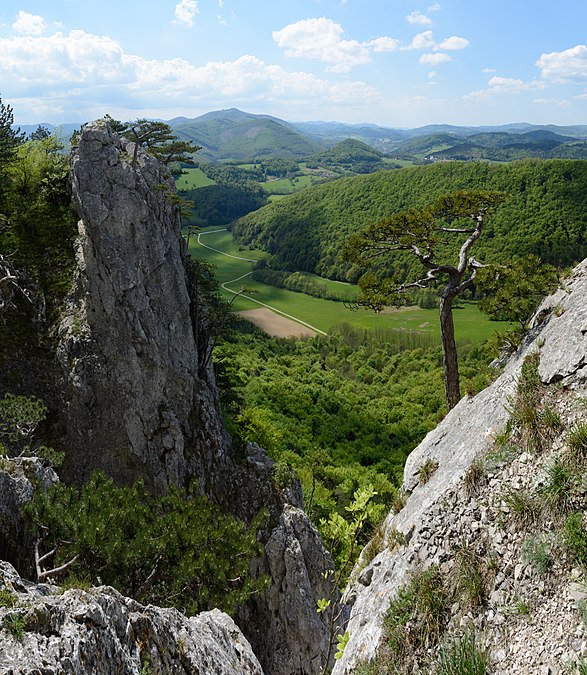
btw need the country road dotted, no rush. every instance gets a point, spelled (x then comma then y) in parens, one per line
(243, 276)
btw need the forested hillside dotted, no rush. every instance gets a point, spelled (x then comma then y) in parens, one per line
(545, 212)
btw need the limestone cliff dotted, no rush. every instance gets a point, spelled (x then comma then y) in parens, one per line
(500, 506)
(137, 402)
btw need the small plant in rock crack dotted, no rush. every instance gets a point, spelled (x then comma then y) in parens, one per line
(538, 551)
(468, 578)
(416, 618)
(15, 624)
(575, 538)
(462, 656)
(523, 507)
(474, 478)
(7, 598)
(427, 470)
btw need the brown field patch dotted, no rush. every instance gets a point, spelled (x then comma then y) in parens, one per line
(275, 324)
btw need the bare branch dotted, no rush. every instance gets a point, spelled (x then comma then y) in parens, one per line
(46, 574)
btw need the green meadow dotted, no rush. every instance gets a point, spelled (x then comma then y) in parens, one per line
(470, 324)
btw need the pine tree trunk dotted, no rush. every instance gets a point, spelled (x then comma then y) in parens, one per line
(449, 350)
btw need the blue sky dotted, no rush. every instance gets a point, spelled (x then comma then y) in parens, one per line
(397, 63)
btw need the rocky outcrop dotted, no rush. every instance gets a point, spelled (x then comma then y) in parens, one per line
(18, 479)
(295, 562)
(443, 514)
(138, 403)
(100, 631)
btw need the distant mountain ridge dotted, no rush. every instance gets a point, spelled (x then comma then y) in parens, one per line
(240, 136)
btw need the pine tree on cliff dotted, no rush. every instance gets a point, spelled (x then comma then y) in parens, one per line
(424, 233)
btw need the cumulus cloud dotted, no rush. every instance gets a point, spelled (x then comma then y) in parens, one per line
(504, 85)
(453, 43)
(185, 12)
(434, 59)
(419, 19)
(569, 65)
(28, 24)
(323, 39)
(423, 40)
(92, 74)
(384, 44)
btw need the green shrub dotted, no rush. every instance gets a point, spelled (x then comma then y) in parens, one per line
(174, 550)
(462, 656)
(577, 442)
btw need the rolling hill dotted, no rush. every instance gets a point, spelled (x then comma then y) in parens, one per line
(545, 213)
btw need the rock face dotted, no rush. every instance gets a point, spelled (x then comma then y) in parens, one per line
(138, 399)
(17, 479)
(295, 562)
(100, 631)
(443, 514)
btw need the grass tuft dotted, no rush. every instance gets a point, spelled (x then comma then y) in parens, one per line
(462, 656)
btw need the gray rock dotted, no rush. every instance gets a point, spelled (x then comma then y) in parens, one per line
(294, 637)
(139, 396)
(17, 477)
(139, 399)
(101, 631)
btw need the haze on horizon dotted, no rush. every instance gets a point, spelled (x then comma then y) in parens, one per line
(400, 63)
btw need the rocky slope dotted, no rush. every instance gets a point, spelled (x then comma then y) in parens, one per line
(488, 495)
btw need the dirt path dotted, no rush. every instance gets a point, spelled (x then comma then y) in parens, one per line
(279, 314)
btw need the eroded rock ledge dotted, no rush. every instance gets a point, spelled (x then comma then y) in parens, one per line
(101, 631)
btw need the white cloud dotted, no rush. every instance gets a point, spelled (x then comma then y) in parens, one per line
(432, 74)
(504, 85)
(434, 8)
(323, 39)
(185, 12)
(87, 75)
(419, 19)
(568, 65)
(384, 44)
(453, 43)
(488, 70)
(434, 59)
(28, 24)
(423, 40)
(559, 102)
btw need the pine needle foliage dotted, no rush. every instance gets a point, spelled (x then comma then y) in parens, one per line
(174, 550)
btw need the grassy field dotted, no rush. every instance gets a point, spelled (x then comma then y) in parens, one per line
(470, 323)
(287, 185)
(193, 178)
